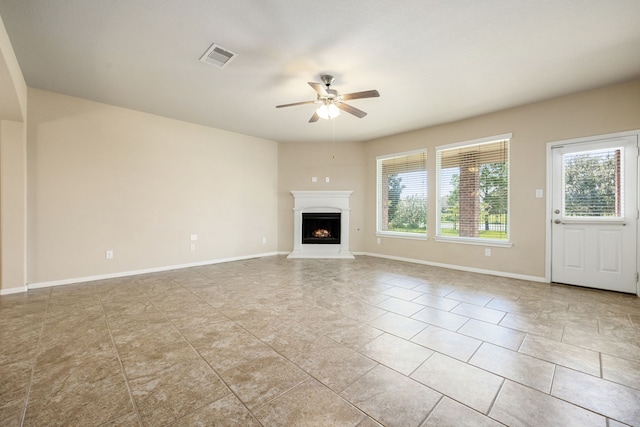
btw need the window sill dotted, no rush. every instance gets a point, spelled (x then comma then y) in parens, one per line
(412, 236)
(474, 241)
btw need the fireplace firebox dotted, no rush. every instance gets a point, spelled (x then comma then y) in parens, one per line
(321, 228)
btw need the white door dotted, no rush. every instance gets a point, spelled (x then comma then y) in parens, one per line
(595, 213)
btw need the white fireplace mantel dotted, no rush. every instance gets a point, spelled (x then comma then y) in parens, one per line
(321, 201)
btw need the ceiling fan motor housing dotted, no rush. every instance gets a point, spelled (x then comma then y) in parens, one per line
(327, 79)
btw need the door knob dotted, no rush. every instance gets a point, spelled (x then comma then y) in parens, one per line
(557, 221)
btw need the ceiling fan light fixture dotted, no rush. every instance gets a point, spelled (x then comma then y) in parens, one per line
(328, 111)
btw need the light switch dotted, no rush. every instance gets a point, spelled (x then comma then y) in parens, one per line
(194, 237)
(327, 179)
(314, 179)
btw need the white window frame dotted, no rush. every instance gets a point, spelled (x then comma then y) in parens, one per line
(472, 240)
(379, 215)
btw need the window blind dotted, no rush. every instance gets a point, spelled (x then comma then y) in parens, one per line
(473, 186)
(402, 193)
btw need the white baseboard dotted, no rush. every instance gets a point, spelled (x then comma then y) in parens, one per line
(47, 284)
(16, 290)
(459, 267)
(38, 285)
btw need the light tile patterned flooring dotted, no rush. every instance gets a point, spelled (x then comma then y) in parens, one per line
(274, 341)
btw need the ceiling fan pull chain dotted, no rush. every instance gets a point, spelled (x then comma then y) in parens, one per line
(333, 139)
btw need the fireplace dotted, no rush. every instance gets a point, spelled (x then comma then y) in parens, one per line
(321, 224)
(321, 228)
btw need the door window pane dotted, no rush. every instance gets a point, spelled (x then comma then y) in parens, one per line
(592, 183)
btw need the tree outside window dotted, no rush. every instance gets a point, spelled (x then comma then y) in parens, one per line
(592, 183)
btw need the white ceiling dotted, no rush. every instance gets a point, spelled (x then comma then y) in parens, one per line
(433, 61)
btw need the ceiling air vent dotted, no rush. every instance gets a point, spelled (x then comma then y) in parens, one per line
(217, 56)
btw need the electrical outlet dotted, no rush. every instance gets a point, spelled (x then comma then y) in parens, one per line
(108, 254)
(487, 252)
(379, 240)
(264, 240)
(193, 246)
(539, 194)
(314, 179)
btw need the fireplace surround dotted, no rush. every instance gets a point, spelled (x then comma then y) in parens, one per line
(324, 206)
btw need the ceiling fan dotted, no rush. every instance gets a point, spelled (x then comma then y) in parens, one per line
(332, 102)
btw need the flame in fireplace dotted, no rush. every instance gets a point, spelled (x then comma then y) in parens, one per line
(321, 233)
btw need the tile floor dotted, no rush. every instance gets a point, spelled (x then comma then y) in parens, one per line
(274, 341)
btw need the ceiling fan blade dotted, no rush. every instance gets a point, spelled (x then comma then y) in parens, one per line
(314, 118)
(296, 103)
(318, 87)
(360, 95)
(351, 110)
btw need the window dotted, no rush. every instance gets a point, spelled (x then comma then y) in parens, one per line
(473, 190)
(402, 194)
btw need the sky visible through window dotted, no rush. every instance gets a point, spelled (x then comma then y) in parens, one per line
(414, 182)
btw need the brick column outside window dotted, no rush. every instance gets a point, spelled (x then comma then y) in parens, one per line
(469, 195)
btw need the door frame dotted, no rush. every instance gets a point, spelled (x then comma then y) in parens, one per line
(549, 189)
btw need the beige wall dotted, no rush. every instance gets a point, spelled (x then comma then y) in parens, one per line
(107, 178)
(607, 110)
(13, 207)
(343, 163)
(13, 170)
